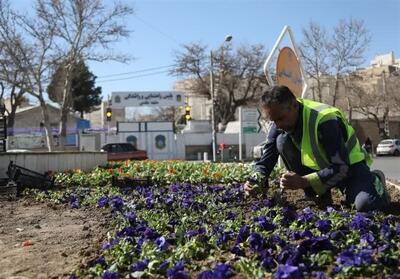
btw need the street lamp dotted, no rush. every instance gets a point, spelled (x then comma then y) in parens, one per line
(228, 38)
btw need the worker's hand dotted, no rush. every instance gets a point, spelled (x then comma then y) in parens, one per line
(293, 181)
(251, 189)
(247, 188)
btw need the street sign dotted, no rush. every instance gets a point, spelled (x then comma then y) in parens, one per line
(288, 71)
(250, 120)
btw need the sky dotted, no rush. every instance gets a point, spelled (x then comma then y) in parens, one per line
(160, 28)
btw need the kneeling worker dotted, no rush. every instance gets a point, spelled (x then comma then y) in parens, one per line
(320, 151)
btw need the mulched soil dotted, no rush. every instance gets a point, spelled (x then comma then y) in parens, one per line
(63, 239)
(296, 198)
(41, 240)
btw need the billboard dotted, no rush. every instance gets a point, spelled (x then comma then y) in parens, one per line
(147, 99)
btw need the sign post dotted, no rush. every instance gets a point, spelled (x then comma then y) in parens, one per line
(248, 124)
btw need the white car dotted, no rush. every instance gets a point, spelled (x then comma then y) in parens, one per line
(388, 147)
(258, 150)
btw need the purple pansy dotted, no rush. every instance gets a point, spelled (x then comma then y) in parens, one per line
(231, 215)
(127, 231)
(306, 233)
(149, 233)
(267, 261)
(109, 275)
(117, 203)
(368, 238)
(140, 265)
(237, 251)
(337, 235)
(223, 238)
(149, 202)
(74, 202)
(193, 233)
(176, 272)
(244, 233)
(264, 223)
(289, 213)
(323, 226)
(350, 258)
(130, 217)
(221, 271)
(287, 271)
(256, 241)
(360, 222)
(306, 216)
(100, 260)
(102, 201)
(161, 243)
(109, 245)
(385, 231)
(164, 266)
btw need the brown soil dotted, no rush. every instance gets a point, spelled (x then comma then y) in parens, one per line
(65, 239)
(62, 239)
(296, 198)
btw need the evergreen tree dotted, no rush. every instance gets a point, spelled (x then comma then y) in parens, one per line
(85, 95)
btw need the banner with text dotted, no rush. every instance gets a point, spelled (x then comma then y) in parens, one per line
(147, 99)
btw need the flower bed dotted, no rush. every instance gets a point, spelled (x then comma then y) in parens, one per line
(193, 224)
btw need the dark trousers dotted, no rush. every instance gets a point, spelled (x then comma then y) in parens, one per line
(358, 187)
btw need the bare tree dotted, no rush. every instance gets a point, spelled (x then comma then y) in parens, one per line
(239, 77)
(314, 51)
(82, 28)
(347, 48)
(376, 97)
(333, 54)
(27, 44)
(11, 83)
(16, 97)
(168, 113)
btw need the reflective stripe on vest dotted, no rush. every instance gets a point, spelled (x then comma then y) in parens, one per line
(319, 160)
(351, 143)
(313, 140)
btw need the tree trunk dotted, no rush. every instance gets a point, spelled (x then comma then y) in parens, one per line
(63, 126)
(336, 91)
(11, 121)
(319, 90)
(65, 106)
(47, 126)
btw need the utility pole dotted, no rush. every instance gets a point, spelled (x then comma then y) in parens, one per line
(386, 113)
(214, 133)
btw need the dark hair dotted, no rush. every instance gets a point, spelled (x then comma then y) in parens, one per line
(278, 94)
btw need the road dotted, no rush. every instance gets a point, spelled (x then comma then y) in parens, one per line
(389, 165)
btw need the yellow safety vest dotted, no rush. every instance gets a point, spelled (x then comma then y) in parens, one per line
(312, 153)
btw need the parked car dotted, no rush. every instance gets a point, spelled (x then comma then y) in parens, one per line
(123, 151)
(388, 147)
(258, 150)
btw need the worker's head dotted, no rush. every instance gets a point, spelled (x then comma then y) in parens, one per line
(281, 107)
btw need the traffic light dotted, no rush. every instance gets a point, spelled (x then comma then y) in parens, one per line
(108, 114)
(187, 113)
